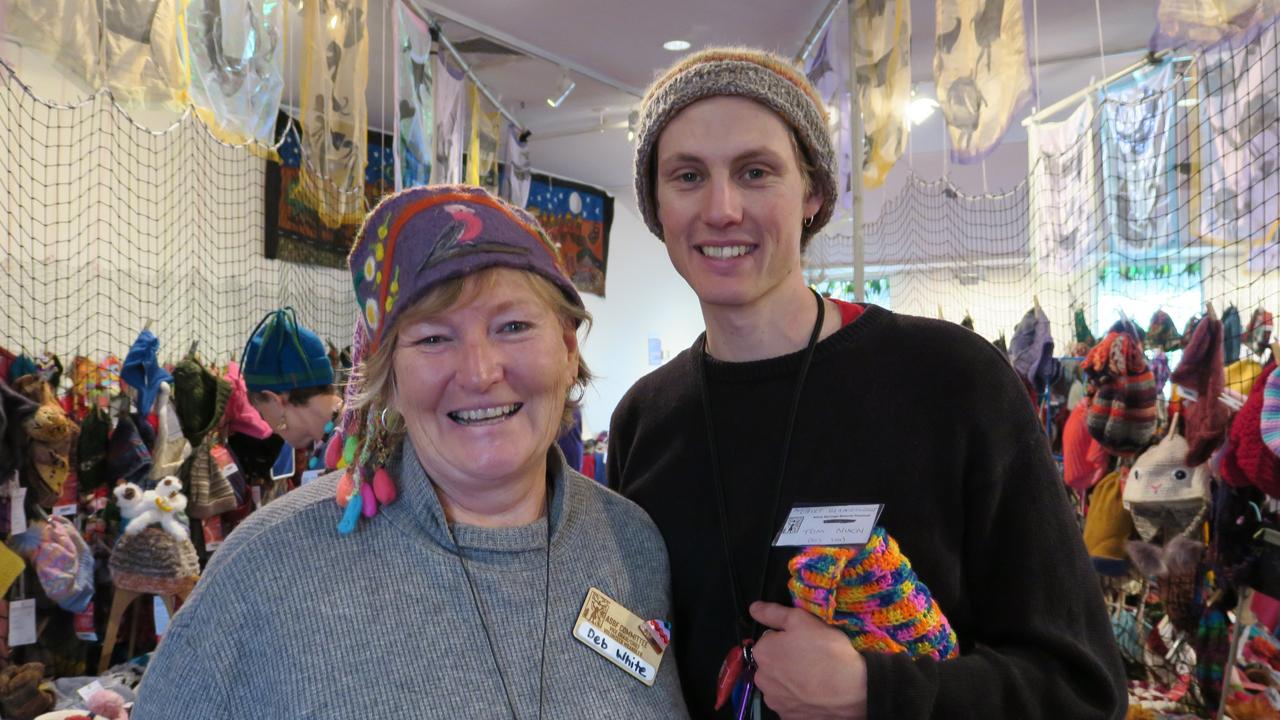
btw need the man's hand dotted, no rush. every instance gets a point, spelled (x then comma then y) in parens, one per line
(807, 670)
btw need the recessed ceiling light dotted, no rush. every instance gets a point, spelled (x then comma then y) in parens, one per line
(676, 45)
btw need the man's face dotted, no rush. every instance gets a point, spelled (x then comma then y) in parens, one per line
(731, 201)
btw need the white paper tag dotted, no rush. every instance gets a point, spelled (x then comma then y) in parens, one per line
(22, 622)
(161, 615)
(311, 475)
(87, 691)
(64, 510)
(256, 492)
(828, 525)
(17, 511)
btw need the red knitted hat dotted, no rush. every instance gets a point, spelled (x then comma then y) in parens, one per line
(1248, 461)
(1079, 469)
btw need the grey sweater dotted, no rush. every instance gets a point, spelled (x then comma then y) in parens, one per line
(292, 620)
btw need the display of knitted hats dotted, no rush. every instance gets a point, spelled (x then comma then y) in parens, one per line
(1122, 411)
(1079, 469)
(1083, 333)
(1269, 418)
(1242, 374)
(1231, 333)
(1212, 645)
(1162, 334)
(91, 450)
(155, 562)
(1177, 570)
(128, 457)
(1258, 332)
(1204, 420)
(208, 475)
(1163, 493)
(240, 416)
(201, 398)
(15, 408)
(1160, 370)
(409, 244)
(171, 448)
(62, 560)
(1031, 350)
(22, 366)
(1249, 460)
(1107, 526)
(874, 596)
(142, 372)
(21, 697)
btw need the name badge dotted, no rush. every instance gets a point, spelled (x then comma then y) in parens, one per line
(620, 635)
(828, 525)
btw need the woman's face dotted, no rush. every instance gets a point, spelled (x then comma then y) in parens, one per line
(482, 385)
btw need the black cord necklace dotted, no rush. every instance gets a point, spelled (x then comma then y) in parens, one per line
(484, 624)
(748, 628)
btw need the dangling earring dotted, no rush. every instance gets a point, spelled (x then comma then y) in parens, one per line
(808, 221)
(284, 422)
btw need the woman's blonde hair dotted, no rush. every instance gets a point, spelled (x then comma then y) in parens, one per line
(375, 376)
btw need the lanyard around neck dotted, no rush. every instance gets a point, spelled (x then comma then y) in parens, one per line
(739, 603)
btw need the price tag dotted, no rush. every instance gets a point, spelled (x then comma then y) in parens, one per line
(87, 691)
(17, 511)
(22, 622)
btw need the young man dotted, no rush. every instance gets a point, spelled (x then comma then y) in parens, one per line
(789, 400)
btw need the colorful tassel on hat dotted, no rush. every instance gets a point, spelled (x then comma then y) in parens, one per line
(346, 486)
(348, 452)
(384, 489)
(369, 504)
(333, 451)
(351, 515)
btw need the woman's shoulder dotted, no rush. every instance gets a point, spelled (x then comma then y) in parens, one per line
(287, 524)
(593, 500)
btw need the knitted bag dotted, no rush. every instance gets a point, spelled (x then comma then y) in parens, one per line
(874, 596)
(1122, 413)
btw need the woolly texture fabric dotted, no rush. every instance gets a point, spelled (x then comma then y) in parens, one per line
(1242, 374)
(1231, 332)
(284, 355)
(1269, 420)
(1205, 420)
(1107, 526)
(874, 596)
(1122, 412)
(1079, 469)
(1247, 460)
(142, 371)
(155, 562)
(769, 79)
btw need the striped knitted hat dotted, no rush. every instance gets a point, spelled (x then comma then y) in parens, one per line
(1270, 424)
(1122, 413)
(874, 596)
(769, 79)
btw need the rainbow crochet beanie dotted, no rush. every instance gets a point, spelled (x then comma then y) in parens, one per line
(874, 596)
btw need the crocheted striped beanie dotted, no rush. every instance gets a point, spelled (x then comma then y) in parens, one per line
(874, 596)
(1270, 424)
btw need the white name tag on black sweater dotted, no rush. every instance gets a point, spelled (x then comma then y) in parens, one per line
(828, 525)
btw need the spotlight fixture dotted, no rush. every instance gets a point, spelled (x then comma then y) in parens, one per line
(676, 45)
(563, 88)
(632, 121)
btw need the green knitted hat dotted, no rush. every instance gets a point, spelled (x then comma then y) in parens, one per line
(770, 80)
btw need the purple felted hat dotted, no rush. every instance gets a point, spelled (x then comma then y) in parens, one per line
(410, 243)
(423, 236)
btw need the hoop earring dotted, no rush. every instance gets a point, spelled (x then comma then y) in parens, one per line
(808, 221)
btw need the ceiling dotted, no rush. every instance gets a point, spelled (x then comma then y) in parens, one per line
(613, 48)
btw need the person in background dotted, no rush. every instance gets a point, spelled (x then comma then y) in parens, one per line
(465, 548)
(790, 401)
(289, 376)
(570, 441)
(589, 458)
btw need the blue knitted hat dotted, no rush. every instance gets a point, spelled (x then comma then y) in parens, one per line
(282, 355)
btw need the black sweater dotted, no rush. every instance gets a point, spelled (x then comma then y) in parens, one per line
(927, 418)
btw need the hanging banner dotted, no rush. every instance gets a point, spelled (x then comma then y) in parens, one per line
(450, 126)
(293, 230)
(1063, 195)
(482, 150)
(828, 72)
(515, 168)
(1198, 24)
(413, 99)
(128, 46)
(883, 70)
(981, 71)
(335, 72)
(235, 49)
(1138, 162)
(1238, 198)
(577, 218)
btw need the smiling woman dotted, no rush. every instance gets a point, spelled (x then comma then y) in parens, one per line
(468, 363)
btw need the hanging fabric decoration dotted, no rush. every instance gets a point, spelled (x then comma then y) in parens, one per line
(482, 149)
(235, 50)
(515, 174)
(1198, 24)
(1138, 163)
(450, 126)
(335, 71)
(1063, 197)
(413, 99)
(577, 218)
(1239, 116)
(128, 46)
(828, 71)
(883, 69)
(981, 71)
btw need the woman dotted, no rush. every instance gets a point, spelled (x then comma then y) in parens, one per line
(290, 381)
(461, 596)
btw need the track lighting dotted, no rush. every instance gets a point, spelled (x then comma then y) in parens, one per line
(563, 88)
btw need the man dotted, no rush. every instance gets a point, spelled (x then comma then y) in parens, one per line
(789, 400)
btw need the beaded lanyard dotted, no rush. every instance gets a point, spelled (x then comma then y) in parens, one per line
(739, 663)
